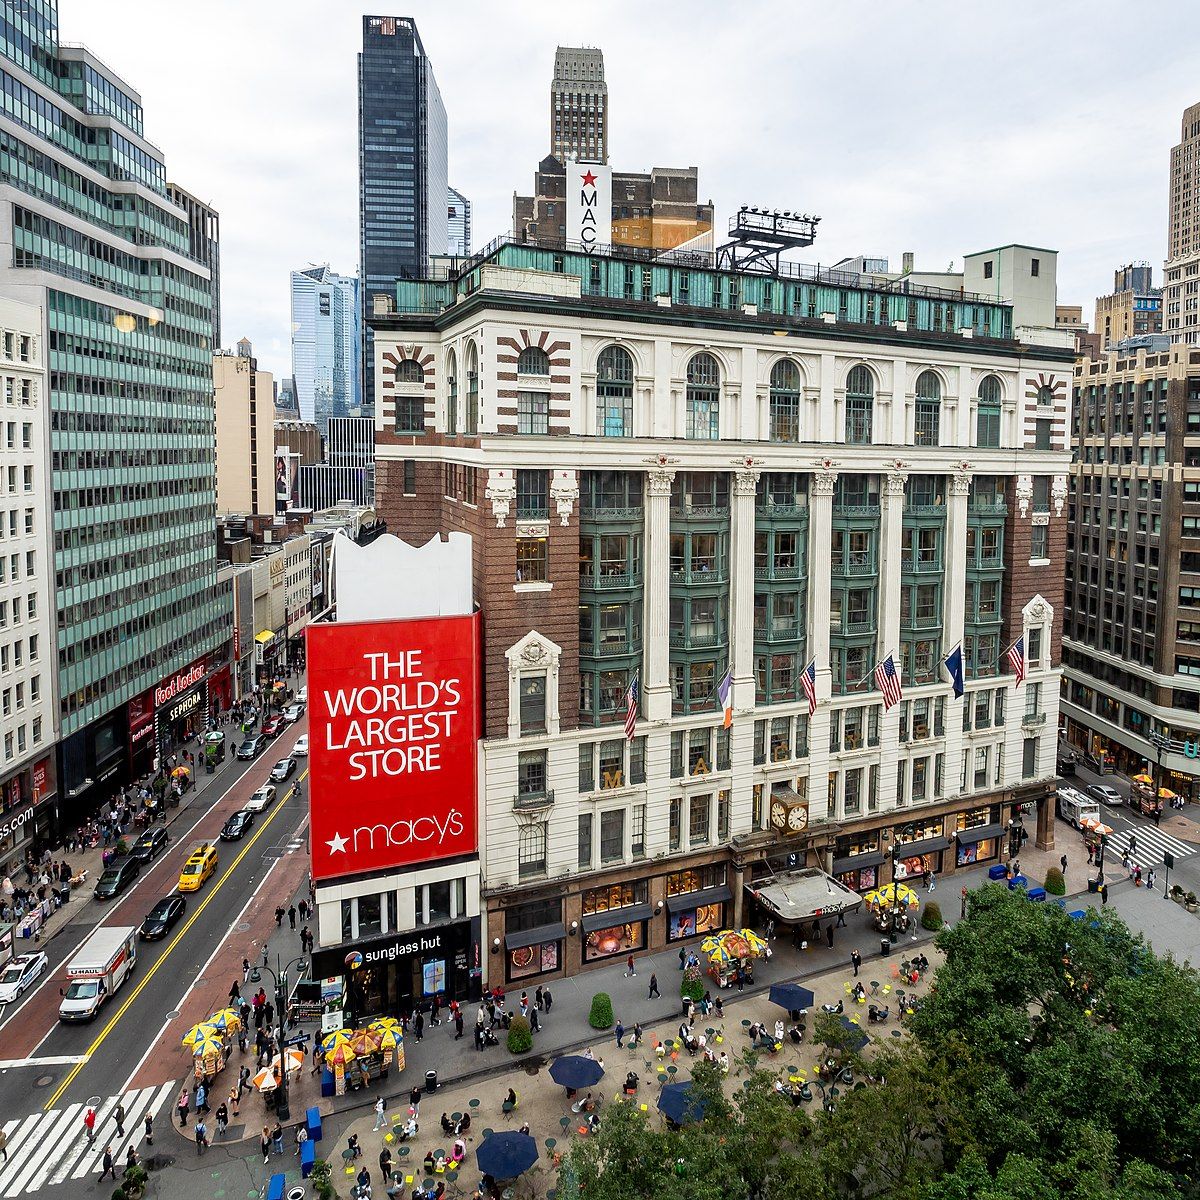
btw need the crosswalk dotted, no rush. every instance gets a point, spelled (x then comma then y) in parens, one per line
(49, 1148)
(1150, 845)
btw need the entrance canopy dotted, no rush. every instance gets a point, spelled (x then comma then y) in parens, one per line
(805, 895)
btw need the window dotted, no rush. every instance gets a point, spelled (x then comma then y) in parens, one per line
(612, 836)
(673, 820)
(1029, 755)
(585, 841)
(1041, 434)
(409, 371)
(698, 820)
(531, 850)
(451, 393)
(785, 401)
(531, 773)
(928, 412)
(987, 418)
(987, 269)
(533, 704)
(410, 477)
(1035, 265)
(703, 398)
(860, 406)
(531, 560)
(638, 841)
(410, 413)
(614, 393)
(1039, 544)
(533, 412)
(1033, 643)
(533, 361)
(472, 413)
(533, 495)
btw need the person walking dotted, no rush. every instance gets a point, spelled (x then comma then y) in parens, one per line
(1132, 845)
(245, 970)
(292, 915)
(149, 1127)
(856, 961)
(653, 986)
(222, 1118)
(1104, 893)
(534, 1021)
(414, 1101)
(201, 1098)
(380, 1114)
(201, 1136)
(89, 1125)
(620, 1031)
(119, 1118)
(182, 1105)
(280, 913)
(110, 1166)
(537, 999)
(4, 1145)
(682, 957)
(1063, 863)
(932, 881)
(264, 1144)
(547, 999)
(458, 1025)
(630, 973)
(235, 995)
(418, 1024)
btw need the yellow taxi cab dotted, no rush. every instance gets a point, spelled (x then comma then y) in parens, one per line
(201, 863)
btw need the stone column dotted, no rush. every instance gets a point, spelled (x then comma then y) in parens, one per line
(656, 682)
(741, 619)
(891, 533)
(953, 615)
(820, 530)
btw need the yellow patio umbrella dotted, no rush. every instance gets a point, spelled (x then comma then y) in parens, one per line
(338, 1037)
(382, 1023)
(364, 1041)
(196, 1032)
(757, 944)
(893, 893)
(225, 1018)
(341, 1055)
(1166, 794)
(208, 1044)
(1148, 780)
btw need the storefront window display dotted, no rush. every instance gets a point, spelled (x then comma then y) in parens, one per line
(619, 895)
(695, 879)
(692, 921)
(614, 919)
(919, 846)
(533, 939)
(856, 861)
(977, 833)
(540, 959)
(614, 939)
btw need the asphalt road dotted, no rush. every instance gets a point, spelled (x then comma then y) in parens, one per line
(75, 1064)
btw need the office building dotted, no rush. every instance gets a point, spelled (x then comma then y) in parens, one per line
(97, 243)
(245, 411)
(579, 105)
(458, 224)
(204, 244)
(301, 439)
(287, 408)
(323, 486)
(1133, 308)
(350, 442)
(1069, 317)
(326, 344)
(402, 166)
(1131, 623)
(730, 473)
(1181, 273)
(28, 709)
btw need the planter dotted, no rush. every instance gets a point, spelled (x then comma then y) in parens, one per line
(1194, 907)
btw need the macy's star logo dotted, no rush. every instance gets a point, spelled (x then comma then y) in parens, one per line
(589, 180)
(337, 845)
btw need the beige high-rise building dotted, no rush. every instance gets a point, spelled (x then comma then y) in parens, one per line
(579, 105)
(245, 403)
(1181, 275)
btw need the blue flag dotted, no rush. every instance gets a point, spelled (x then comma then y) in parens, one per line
(953, 662)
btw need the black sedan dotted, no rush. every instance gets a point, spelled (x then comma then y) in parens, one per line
(283, 769)
(149, 844)
(251, 746)
(162, 917)
(117, 878)
(235, 828)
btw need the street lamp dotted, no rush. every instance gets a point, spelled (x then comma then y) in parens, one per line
(280, 979)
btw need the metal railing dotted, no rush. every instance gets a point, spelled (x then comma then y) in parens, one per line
(601, 582)
(533, 801)
(855, 566)
(777, 573)
(856, 510)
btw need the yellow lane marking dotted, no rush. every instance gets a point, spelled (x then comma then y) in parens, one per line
(66, 1083)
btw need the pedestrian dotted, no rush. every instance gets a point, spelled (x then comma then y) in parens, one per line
(414, 1100)
(1104, 893)
(380, 1114)
(149, 1124)
(1091, 854)
(537, 999)
(201, 1098)
(235, 1099)
(119, 1118)
(682, 957)
(962, 908)
(201, 1136)
(933, 881)
(110, 1166)
(620, 1031)
(385, 1163)
(534, 1021)
(547, 999)
(277, 1138)
(182, 1104)
(829, 932)
(630, 973)
(245, 970)
(264, 1144)
(235, 995)
(1063, 863)
(1150, 878)
(4, 1145)
(435, 1007)
(856, 961)
(418, 1024)
(131, 1157)
(719, 1008)
(841, 914)
(653, 986)
(740, 976)
(280, 913)
(222, 1118)
(458, 1025)
(89, 1124)
(292, 915)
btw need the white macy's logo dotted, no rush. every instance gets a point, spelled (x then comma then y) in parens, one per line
(399, 833)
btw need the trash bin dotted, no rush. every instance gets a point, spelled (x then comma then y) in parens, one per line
(431, 1081)
(885, 947)
(1093, 885)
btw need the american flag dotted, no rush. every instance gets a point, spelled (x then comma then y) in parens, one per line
(887, 680)
(808, 681)
(631, 703)
(1016, 659)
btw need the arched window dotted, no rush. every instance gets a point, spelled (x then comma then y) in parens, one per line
(927, 425)
(1045, 396)
(410, 397)
(860, 406)
(703, 398)
(614, 393)
(987, 417)
(785, 401)
(451, 393)
(533, 361)
(471, 416)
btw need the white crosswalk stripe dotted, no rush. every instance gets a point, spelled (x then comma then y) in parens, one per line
(1150, 845)
(48, 1148)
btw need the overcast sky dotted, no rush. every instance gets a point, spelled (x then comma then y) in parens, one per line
(941, 128)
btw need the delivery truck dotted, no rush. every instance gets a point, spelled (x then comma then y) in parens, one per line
(1075, 807)
(103, 963)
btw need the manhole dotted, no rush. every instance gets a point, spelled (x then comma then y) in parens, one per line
(43, 1081)
(200, 982)
(93, 1102)
(173, 1014)
(243, 927)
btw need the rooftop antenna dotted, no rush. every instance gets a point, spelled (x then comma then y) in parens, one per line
(758, 237)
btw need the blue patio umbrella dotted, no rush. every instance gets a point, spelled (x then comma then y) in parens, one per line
(574, 1071)
(791, 996)
(678, 1103)
(506, 1155)
(861, 1040)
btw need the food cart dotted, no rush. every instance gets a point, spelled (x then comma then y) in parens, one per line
(1142, 798)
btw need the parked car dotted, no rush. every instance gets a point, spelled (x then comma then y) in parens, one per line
(263, 798)
(1106, 794)
(302, 696)
(284, 769)
(273, 726)
(149, 844)
(300, 749)
(293, 713)
(235, 828)
(162, 917)
(251, 747)
(117, 877)
(19, 974)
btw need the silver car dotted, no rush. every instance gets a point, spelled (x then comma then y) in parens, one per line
(1105, 794)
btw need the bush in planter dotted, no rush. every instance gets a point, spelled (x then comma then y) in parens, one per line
(1190, 900)
(931, 918)
(1176, 893)
(121, 848)
(692, 986)
(1055, 884)
(322, 1174)
(601, 1015)
(520, 1036)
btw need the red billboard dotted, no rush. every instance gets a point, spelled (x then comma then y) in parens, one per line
(393, 725)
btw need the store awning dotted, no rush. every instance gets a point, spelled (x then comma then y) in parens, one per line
(842, 865)
(264, 637)
(967, 837)
(617, 916)
(535, 937)
(689, 901)
(915, 849)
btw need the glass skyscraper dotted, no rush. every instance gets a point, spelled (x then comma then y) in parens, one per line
(326, 325)
(402, 165)
(458, 221)
(128, 326)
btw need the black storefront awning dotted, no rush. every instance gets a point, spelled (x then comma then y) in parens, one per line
(617, 916)
(967, 837)
(928, 846)
(535, 937)
(842, 865)
(688, 901)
